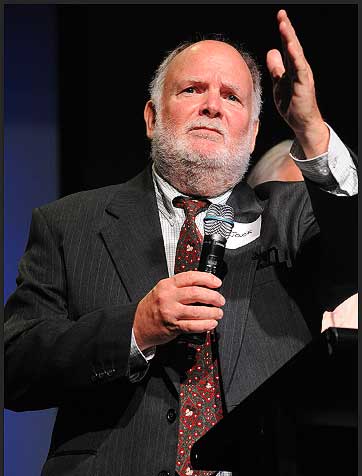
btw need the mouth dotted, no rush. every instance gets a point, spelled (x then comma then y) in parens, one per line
(207, 129)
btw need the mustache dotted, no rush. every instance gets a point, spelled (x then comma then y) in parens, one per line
(215, 124)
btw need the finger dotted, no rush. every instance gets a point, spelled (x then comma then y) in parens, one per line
(188, 312)
(294, 59)
(287, 30)
(275, 64)
(283, 35)
(187, 327)
(298, 67)
(196, 278)
(192, 294)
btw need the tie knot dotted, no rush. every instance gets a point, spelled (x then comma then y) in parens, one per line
(191, 206)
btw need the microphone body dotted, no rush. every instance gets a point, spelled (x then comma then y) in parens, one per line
(211, 260)
(218, 225)
(212, 254)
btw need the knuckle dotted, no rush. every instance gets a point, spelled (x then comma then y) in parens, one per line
(194, 293)
(196, 312)
(162, 285)
(185, 327)
(165, 312)
(176, 278)
(162, 296)
(192, 278)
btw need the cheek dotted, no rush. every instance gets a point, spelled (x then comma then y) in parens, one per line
(172, 116)
(179, 112)
(239, 124)
(237, 132)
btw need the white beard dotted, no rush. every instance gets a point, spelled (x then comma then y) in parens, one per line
(196, 173)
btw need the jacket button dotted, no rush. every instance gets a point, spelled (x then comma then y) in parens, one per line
(171, 415)
(163, 473)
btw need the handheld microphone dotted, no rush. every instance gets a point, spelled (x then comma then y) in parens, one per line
(218, 223)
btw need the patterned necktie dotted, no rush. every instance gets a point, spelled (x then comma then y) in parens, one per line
(200, 398)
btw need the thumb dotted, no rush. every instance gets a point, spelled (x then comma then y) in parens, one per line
(274, 63)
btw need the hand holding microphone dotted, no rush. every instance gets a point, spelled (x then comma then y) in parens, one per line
(218, 224)
(187, 305)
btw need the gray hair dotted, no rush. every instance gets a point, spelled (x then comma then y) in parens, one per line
(158, 81)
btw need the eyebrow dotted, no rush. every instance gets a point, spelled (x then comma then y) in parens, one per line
(232, 86)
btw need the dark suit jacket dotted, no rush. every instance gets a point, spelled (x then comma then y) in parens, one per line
(90, 258)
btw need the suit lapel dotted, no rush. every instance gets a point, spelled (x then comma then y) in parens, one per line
(134, 237)
(134, 240)
(237, 284)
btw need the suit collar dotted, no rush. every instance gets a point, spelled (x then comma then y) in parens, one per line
(133, 236)
(247, 207)
(137, 190)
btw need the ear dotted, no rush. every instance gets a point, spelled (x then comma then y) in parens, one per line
(255, 133)
(150, 118)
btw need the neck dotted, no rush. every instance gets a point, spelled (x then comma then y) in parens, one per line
(198, 185)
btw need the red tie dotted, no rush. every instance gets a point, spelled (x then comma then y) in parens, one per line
(200, 398)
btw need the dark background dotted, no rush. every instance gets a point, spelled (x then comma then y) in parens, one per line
(107, 58)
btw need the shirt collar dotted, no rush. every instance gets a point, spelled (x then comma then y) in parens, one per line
(165, 193)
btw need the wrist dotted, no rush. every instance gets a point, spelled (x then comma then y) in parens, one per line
(139, 340)
(314, 139)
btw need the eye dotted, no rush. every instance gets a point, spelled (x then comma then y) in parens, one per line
(232, 97)
(190, 90)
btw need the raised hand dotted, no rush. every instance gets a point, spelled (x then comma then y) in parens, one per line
(294, 91)
(168, 310)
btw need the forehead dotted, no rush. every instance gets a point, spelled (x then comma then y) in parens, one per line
(207, 60)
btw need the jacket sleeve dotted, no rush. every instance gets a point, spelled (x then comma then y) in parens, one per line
(48, 356)
(337, 217)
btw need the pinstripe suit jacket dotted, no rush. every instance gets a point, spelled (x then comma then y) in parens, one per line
(90, 258)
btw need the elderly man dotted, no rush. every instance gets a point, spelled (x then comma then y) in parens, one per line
(108, 282)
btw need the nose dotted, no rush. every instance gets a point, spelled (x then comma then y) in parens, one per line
(212, 105)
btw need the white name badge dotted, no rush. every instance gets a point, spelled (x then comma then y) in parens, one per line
(243, 233)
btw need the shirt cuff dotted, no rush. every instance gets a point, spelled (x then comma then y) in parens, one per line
(334, 171)
(138, 362)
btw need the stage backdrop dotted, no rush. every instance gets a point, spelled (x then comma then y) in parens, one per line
(30, 179)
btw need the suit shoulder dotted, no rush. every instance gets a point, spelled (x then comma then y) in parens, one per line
(280, 191)
(85, 208)
(94, 198)
(284, 200)
(97, 198)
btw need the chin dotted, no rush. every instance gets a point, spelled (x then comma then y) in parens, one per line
(206, 147)
(212, 153)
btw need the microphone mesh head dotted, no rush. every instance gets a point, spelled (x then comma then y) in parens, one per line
(219, 219)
